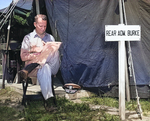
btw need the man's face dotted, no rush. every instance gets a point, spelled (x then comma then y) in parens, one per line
(40, 26)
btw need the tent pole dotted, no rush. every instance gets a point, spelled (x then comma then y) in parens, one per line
(121, 49)
(37, 12)
(6, 53)
(37, 7)
(127, 76)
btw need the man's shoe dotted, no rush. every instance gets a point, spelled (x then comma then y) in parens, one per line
(26, 70)
(49, 105)
(50, 108)
(24, 74)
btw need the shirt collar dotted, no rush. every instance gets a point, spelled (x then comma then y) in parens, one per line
(36, 35)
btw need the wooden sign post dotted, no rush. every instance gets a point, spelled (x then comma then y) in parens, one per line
(122, 33)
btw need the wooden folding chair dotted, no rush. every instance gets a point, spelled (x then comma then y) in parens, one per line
(39, 96)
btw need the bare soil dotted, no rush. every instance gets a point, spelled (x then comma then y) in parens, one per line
(11, 98)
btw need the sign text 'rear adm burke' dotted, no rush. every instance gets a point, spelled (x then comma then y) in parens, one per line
(122, 32)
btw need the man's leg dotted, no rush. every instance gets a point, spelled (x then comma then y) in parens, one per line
(45, 81)
(44, 78)
(54, 62)
(26, 70)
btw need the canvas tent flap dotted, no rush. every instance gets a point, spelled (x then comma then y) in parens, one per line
(87, 59)
(20, 6)
(138, 13)
(25, 4)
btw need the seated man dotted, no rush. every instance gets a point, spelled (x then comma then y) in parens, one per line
(40, 47)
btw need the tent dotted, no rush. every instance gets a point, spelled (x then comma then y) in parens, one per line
(13, 37)
(88, 60)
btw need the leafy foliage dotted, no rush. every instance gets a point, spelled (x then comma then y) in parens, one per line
(21, 20)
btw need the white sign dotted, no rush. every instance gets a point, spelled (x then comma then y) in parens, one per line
(122, 32)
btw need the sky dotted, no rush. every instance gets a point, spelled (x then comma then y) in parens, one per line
(5, 3)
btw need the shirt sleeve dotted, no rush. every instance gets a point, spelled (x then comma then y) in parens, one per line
(52, 38)
(25, 43)
(25, 50)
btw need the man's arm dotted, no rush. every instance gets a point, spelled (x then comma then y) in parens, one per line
(26, 54)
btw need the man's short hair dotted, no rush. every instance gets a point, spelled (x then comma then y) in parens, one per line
(44, 17)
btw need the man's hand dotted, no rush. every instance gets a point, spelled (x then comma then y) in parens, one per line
(35, 53)
(35, 49)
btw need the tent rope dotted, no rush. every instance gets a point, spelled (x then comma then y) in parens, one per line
(4, 11)
(131, 67)
(9, 9)
(8, 14)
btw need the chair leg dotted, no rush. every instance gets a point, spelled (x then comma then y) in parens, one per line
(54, 98)
(59, 76)
(24, 86)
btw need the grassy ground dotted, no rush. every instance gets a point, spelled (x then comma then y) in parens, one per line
(67, 111)
(113, 102)
(11, 109)
(35, 111)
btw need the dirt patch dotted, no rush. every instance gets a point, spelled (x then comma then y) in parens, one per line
(11, 98)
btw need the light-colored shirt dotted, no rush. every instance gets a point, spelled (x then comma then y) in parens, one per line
(33, 39)
(39, 50)
(32, 44)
